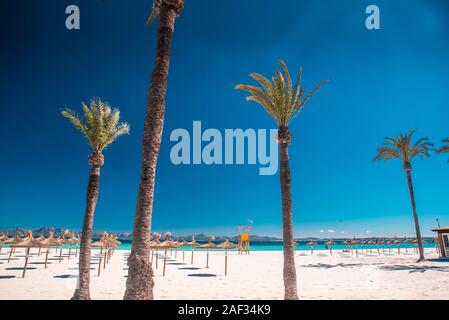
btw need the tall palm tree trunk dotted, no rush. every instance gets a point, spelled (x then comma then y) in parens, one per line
(82, 291)
(139, 284)
(290, 282)
(408, 170)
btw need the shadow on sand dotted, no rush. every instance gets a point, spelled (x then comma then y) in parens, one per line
(414, 268)
(202, 275)
(65, 276)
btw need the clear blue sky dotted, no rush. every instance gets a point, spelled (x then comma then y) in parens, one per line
(383, 82)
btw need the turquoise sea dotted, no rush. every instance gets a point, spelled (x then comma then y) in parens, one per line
(277, 246)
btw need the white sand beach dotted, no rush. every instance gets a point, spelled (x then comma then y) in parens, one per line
(254, 276)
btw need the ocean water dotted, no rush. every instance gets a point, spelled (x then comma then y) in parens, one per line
(277, 246)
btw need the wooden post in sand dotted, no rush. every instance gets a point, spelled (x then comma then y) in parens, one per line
(99, 265)
(165, 261)
(46, 257)
(226, 262)
(157, 258)
(70, 251)
(76, 250)
(26, 262)
(183, 252)
(60, 254)
(152, 257)
(207, 259)
(193, 249)
(104, 260)
(10, 253)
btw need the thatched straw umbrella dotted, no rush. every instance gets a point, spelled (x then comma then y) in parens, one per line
(193, 244)
(69, 240)
(167, 244)
(101, 244)
(28, 244)
(414, 242)
(49, 242)
(182, 244)
(3, 238)
(207, 246)
(153, 247)
(355, 243)
(311, 244)
(227, 246)
(330, 243)
(12, 242)
(398, 242)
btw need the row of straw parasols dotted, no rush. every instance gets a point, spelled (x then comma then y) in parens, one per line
(169, 244)
(107, 244)
(28, 242)
(368, 245)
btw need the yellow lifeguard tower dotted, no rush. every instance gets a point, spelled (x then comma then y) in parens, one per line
(244, 239)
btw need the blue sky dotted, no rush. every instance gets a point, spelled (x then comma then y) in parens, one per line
(382, 82)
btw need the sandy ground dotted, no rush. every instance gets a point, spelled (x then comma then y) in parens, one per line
(254, 276)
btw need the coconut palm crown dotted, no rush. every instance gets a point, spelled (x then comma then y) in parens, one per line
(402, 148)
(280, 97)
(101, 125)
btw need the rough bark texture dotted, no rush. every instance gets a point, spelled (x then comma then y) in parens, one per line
(139, 284)
(408, 170)
(290, 282)
(96, 160)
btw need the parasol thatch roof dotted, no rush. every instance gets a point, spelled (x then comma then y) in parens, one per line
(226, 245)
(167, 244)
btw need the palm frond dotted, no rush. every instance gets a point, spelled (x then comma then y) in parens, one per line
(278, 96)
(444, 148)
(100, 125)
(402, 148)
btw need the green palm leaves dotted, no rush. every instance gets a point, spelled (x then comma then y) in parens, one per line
(401, 147)
(101, 124)
(279, 97)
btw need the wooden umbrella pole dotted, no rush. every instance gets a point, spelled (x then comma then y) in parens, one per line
(331, 250)
(46, 257)
(10, 254)
(152, 256)
(176, 253)
(191, 260)
(226, 262)
(26, 262)
(39, 252)
(207, 259)
(70, 251)
(104, 260)
(157, 258)
(165, 261)
(76, 251)
(60, 255)
(99, 265)
(183, 252)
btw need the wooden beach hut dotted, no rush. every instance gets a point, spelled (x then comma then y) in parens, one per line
(443, 240)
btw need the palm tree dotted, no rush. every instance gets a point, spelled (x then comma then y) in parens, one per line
(445, 148)
(283, 101)
(139, 284)
(100, 127)
(401, 147)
